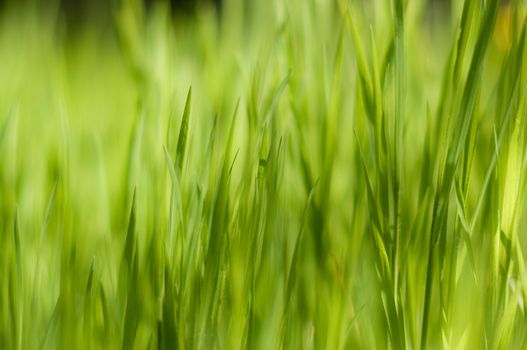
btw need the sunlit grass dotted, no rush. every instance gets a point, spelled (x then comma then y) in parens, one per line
(289, 174)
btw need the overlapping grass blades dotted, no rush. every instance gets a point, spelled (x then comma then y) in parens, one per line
(338, 174)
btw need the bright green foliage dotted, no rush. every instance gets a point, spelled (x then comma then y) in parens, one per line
(291, 174)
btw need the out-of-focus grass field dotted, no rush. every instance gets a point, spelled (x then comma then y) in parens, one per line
(286, 174)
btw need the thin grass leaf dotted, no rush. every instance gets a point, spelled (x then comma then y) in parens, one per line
(183, 133)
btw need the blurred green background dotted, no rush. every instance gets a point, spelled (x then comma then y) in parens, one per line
(262, 174)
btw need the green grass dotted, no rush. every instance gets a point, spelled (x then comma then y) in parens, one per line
(294, 174)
